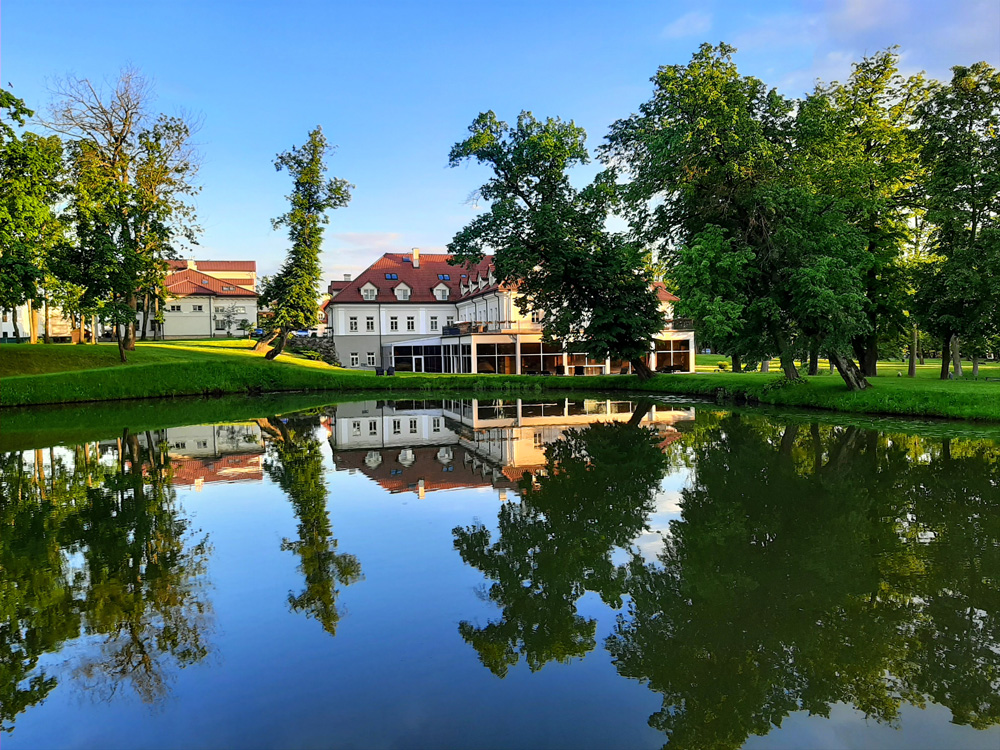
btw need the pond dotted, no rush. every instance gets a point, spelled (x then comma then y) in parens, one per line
(499, 573)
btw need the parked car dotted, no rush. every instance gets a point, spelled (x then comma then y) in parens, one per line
(258, 331)
(303, 334)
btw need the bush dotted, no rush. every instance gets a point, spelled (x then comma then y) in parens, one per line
(723, 366)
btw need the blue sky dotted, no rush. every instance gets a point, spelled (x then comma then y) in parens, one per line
(395, 84)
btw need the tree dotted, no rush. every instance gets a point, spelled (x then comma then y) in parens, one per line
(863, 137)
(763, 260)
(30, 167)
(133, 179)
(549, 239)
(958, 292)
(292, 293)
(228, 318)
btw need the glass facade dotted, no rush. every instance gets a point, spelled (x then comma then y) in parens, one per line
(496, 358)
(673, 355)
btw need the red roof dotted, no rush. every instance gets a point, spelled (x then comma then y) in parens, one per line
(218, 265)
(239, 467)
(422, 281)
(393, 476)
(663, 294)
(189, 283)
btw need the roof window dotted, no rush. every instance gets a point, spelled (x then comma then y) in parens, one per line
(205, 282)
(391, 276)
(444, 277)
(406, 260)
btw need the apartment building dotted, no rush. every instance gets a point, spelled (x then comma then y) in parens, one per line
(418, 313)
(199, 294)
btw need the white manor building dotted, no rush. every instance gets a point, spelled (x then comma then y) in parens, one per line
(417, 313)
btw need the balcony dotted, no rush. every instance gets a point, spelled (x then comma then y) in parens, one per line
(465, 327)
(679, 324)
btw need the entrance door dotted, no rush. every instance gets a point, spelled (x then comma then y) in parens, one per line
(418, 363)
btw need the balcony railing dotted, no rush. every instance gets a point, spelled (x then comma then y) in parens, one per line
(466, 327)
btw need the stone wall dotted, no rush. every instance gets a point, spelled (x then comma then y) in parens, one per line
(324, 346)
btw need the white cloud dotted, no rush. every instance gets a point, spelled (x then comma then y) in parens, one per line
(690, 24)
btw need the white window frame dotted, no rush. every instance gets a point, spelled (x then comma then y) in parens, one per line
(352, 324)
(411, 323)
(197, 308)
(413, 426)
(393, 323)
(369, 324)
(434, 323)
(371, 359)
(355, 359)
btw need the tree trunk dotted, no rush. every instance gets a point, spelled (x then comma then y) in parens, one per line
(788, 436)
(912, 371)
(788, 366)
(765, 366)
(129, 344)
(956, 355)
(814, 362)
(641, 410)
(737, 363)
(975, 366)
(640, 368)
(46, 335)
(121, 344)
(93, 330)
(944, 357)
(279, 346)
(850, 372)
(32, 323)
(17, 331)
(263, 342)
(145, 316)
(866, 350)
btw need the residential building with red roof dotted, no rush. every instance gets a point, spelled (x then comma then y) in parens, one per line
(207, 298)
(418, 313)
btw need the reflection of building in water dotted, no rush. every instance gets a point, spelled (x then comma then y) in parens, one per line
(422, 446)
(207, 452)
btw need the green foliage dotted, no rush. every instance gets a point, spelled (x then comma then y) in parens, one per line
(550, 242)
(292, 294)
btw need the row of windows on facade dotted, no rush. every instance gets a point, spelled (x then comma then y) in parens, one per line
(407, 458)
(240, 310)
(397, 426)
(356, 359)
(411, 323)
(370, 293)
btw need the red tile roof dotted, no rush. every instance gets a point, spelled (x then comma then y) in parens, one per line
(239, 467)
(421, 281)
(663, 294)
(217, 265)
(189, 283)
(395, 477)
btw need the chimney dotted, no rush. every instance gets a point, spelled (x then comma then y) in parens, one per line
(347, 277)
(193, 265)
(416, 257)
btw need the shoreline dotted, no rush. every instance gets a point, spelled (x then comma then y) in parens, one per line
(257, 378)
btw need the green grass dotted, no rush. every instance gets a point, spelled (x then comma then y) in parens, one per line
(52, 374)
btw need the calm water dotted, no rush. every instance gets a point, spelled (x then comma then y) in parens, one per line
(502, 574)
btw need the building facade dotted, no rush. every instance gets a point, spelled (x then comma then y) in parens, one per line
(419, 314)
(200, 296)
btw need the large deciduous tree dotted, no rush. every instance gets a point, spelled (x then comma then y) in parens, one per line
(133, 178)
(292, 294)
(763, 260)
(958, 291)
(30, 167)
(550, 241)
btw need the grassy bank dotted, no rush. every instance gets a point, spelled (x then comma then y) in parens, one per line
(31, 375)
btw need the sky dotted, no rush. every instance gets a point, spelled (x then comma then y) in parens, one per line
(395, 84)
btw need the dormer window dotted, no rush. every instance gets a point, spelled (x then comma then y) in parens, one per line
(369, 292)
(402, 292)
(441, 292)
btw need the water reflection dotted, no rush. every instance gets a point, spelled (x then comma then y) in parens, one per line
(815, 565)
(94, 544)
(295, 464)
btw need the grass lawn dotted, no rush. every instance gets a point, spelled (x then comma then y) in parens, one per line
(66, 373)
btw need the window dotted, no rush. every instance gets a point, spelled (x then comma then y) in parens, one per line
(396, 427)
(356, 428)
(220, 309)
(449, 321)
(441, 293)
(434, 323)
(175, 308)
(402, 293)
(197, 308)
(393, 323)
(536, 316)
(180, 445)
(229, 289)
(369, 324)
(411, 324)
(352, 324)
(369, 292)
(444, 277)
(240, 311)
(220, 325)
(205, 282)
(371, 358)
(202, 443)
(413, 427)
(354, 359)
(436, 424)
(373, 427)
(391, 276)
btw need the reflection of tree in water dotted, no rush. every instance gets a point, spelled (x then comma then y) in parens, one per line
(295, 463)
(595, 494)
(101, 550)
(813, 566)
